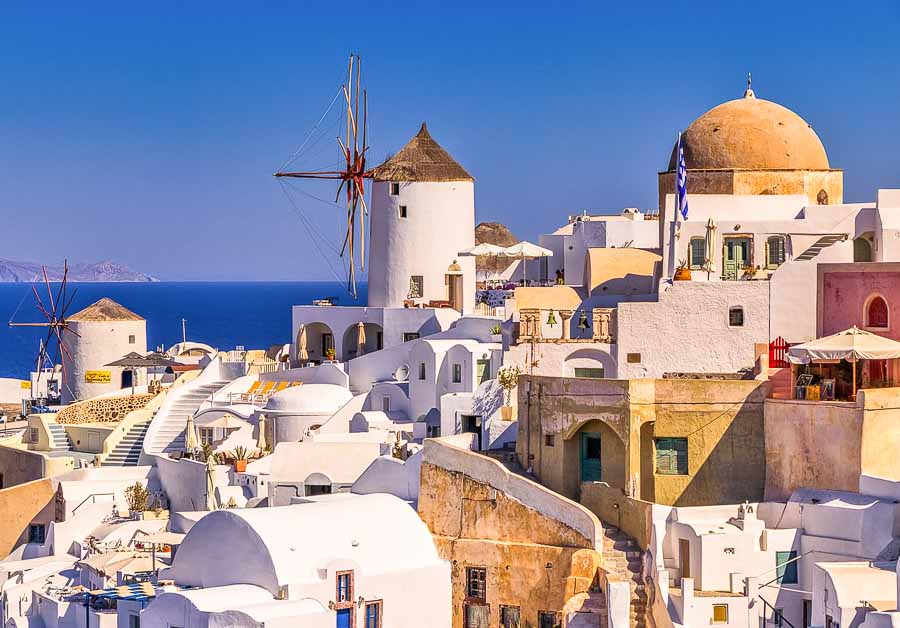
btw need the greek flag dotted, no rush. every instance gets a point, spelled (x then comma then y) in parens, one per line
(681, 184)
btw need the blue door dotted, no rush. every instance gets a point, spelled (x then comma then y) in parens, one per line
(590, 457)
(343, 618)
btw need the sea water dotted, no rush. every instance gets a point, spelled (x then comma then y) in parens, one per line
(222, 314)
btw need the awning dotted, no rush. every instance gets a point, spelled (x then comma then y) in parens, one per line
(853, 344)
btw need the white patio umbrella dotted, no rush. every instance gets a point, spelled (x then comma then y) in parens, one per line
(226, 422)
(261, 437)
(526, 250)
(211, 483)
(191, 442)
(302, 352)
(360, 338)
(709, 263)
(483, 249)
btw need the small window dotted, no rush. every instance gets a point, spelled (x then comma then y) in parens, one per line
(385, 404)
(862, 250)
(549, 440)
(876, 313)
(410, 335)
(671, 456)
(786, 567)
(720, 614)
(416, 287)
(403, 211)
(373, 614)
(395, 189)
(775, 252)
(697, 253)
(476, 583)
(422, 371)
(547, 619)
(589, 373)
(509, 617)
(822, 197)
(379, 340)
(633, 358)
(131, 339)
(345, 586)
(433, 431)
(457, 373)
(36, 533)
(736, 316)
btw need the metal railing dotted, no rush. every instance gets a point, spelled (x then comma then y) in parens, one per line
(93, 498)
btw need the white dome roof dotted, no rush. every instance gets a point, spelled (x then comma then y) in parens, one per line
(310, 398)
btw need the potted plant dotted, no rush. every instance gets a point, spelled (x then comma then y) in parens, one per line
(509, 379)
(137, 498)
(240, 455)
(683, 272)
(496, 333)
(330, 354)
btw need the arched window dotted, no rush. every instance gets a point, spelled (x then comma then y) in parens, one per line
(775, 251)
(736, 316)
(822, 197)
(876, 313)
(862, 250)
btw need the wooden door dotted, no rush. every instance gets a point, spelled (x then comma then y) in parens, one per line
(591, 468)
(684, 556)
(737, 256)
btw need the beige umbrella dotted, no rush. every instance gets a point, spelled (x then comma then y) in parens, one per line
(302, 352)
(261, 437)
(360, 338)
(226, 422)
(709, 264)
(211, 483)
(191, 443)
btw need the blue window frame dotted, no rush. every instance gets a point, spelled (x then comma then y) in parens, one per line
(373, 614)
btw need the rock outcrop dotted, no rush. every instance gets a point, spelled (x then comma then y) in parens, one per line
(493, 233)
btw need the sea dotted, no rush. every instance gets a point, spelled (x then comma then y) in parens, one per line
(222, 314)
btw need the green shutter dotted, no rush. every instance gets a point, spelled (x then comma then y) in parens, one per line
(671, 456)
(786, 571)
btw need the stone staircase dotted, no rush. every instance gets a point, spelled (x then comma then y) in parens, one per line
(781, 382)
(167, 434)
(822, 243)
(622, 560)
(127, 452)
(59, 440)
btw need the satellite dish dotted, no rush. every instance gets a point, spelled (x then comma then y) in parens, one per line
(402, 373)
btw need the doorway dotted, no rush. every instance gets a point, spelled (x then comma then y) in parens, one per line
(127, 379)
(471, 424)
(591, 469)
(455, 291)
(343, 618)
(684, 557)
(737, 256)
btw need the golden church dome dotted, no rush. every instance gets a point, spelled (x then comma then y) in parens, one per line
(751, 134)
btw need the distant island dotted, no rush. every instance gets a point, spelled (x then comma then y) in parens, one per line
(26, 272)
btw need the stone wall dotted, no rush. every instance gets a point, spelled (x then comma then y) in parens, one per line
(103, 409)
(533, 560)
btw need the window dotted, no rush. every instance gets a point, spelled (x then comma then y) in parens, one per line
(344, 586)
(736, 316)
(876, 315)
(549, 440)
(410, 335)
(134, 621)
(395, 189)
(589, 373)
(131, 339)
(509, 617)
(671, 456)
(862, 250)
(633, 358)
(422, 371)
(373, 614)
(36, 533)
(547, 619)
(786, 570)
(822, 197)
(775, 253)
(457, 373)
(416, 287)
(433, 431)
(720, 614)
(403, 211)
(385, 404)
(476, 582)
(327, 342)
(477, 616)
(697, 253)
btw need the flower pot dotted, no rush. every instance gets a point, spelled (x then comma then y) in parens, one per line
(682, 274)
(240, 466)
(506, 413)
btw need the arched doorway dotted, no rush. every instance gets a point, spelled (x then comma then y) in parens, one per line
(862, 250)
(599, 452)
(374, 340)
(319, 339)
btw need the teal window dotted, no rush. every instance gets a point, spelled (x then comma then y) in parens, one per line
(786, 570)
(671, 456)
(775, 255)
(697, 253)
(589, 373)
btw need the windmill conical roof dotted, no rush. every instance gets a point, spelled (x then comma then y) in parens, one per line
(105, 310)
(422, 159)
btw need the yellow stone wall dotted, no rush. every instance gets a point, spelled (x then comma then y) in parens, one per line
(103, 409)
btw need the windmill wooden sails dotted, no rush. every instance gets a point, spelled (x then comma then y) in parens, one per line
(352, 175)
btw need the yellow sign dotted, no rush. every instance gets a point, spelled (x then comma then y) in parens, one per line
(25, 385)
(97, 377)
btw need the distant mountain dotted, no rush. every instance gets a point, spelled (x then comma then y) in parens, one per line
(16, 272)
(493, 233)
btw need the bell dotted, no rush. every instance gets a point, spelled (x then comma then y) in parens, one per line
(582, 320)
(551, 320)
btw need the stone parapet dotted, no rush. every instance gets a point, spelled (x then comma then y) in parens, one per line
(102, 409)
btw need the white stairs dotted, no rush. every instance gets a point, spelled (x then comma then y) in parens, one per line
(167, 431)
(822, 243)
(59, 440)
(127, 452)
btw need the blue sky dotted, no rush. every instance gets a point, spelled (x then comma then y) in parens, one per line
(148, 134)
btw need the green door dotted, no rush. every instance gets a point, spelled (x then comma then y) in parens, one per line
(737, 256)
(484, 370)
(590, 456)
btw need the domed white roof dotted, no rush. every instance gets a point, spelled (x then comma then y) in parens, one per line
(310, 398)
